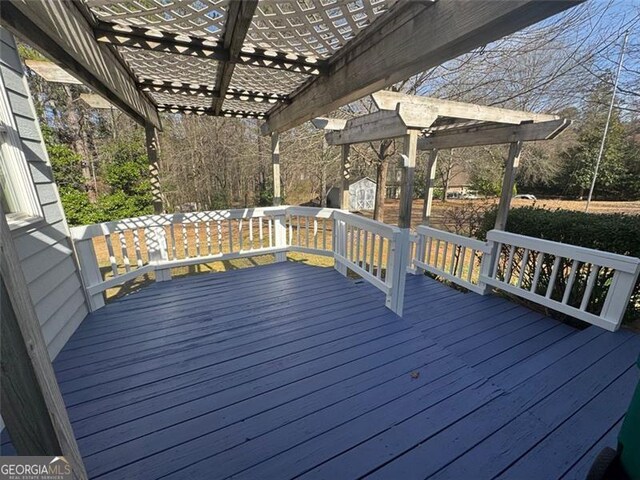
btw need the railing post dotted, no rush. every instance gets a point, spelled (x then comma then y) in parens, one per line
(618, 296)
(486, 266)
(398, 271)
(280, 225)
(156, 240)
(418, 254)
(340, 244)
(90, 272)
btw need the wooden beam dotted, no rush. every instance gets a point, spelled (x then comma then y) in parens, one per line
(382, 125)
(31, 402)
(386, 100)
(60, 31)
(153, 154)
(275, 162)
(170, 108)
(345, 177)
(239, 16)
(430, 180)
(323, 123)
(511, 169)
(179, 44)
(411, 38)
(408, 171)
(160, 86)
(477, 136)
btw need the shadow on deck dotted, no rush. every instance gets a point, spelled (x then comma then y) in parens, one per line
(290, 370)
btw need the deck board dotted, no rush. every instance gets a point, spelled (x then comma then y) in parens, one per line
(288, 370)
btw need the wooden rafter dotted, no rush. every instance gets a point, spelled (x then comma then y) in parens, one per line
(478, 136)
(61, 31)
(386, 100)
(208, 111)
(239, 15)
(382, 125)
(146, 39)
(149, 85)
(412, 37)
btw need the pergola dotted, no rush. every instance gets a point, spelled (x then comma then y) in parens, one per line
(282, 61)
(433, 124)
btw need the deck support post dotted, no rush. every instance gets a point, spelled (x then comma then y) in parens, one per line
(430, 177)
(397, 269)
(510, 171)
(153, 154)
(280, 226)
(408, 170)
(31, 402)
(344, 178)
(275, 163)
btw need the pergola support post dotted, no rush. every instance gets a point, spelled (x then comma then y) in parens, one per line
(344, 183)
(153, 154)
(275, 164)
(511, 169)
(430, 177)
(31, 402)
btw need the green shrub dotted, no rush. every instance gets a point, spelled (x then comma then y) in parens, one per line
(615, 232)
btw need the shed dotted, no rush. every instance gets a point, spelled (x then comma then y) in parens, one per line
(362, 195)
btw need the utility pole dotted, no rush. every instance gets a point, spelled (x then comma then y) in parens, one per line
(606, 125)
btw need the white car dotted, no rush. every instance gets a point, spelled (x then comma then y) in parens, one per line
(526, 196)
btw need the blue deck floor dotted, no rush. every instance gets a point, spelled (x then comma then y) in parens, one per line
(288, 370)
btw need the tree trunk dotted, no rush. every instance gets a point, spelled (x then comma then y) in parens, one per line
(381, 189)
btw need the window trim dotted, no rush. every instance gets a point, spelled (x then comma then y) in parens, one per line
(17, 167)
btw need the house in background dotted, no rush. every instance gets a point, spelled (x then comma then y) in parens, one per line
(362, 195)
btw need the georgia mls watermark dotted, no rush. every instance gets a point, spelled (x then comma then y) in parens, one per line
(34, 468)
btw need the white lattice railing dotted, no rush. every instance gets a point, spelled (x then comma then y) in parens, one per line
(158, 243)
(590, 285)
(450, 256)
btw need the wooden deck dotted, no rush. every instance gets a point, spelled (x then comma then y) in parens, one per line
(289, 370)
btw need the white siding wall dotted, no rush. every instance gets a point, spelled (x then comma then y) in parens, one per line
(44, 248)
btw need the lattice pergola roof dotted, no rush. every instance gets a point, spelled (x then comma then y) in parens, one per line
(285, 44)
(287, 61)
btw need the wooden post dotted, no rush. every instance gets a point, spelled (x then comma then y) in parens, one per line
(90, 272)
(280, 226)
(511, 168)
(408, 170)
(344, 184)
(153, 153)
(31, 402)
(430, 176)
(156, 241)
(275, 161)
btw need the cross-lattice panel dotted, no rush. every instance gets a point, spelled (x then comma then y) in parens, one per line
(266, 80)
(187, 100)
(147, 64)
(311, 28)
(199, 18)
(246, 107)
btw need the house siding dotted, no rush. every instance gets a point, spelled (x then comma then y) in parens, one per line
(44, 249)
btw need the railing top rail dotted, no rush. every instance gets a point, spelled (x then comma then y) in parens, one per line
(84, 232)
(453, 238)
(366, 223)
(311, 211)
(598, 257)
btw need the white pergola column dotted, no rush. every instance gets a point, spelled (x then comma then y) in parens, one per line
(511, 169)
(275, 163)
(430, 177)
(344, 181)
